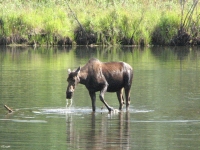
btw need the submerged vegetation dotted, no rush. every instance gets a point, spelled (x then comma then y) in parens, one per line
(100, 22)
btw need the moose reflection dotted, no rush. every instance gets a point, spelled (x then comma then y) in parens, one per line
(98, 132)
(103, 77)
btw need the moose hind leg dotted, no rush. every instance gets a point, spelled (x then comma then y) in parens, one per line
(127, 94)
(120, 98)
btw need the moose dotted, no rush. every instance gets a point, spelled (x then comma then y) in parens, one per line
(103, 77)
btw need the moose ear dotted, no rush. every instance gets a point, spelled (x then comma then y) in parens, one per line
(78, 70)
(69, 71)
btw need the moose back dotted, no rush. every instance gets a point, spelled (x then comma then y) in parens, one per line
(104, 77)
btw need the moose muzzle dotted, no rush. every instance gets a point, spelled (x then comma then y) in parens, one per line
(69, 92)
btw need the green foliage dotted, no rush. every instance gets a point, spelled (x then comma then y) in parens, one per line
(166, 28)
(111, 21)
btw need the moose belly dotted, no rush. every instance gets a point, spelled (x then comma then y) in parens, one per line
(114, 87)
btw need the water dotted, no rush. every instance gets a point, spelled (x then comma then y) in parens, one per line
(164, 111)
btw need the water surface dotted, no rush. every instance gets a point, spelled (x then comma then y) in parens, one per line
(164, 111)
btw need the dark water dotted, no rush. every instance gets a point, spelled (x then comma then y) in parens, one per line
(164, 111)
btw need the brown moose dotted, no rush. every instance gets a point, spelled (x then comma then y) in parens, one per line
(103, 77)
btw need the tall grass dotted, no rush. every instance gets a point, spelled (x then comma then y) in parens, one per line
(138, 22)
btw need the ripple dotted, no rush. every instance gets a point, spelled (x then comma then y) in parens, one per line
(29, 121)
(164, 121)
(140, 111)
(64, 110)
(83, 110)
(25, 121)
(5, 146)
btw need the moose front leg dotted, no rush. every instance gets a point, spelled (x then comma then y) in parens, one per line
(101, 96)
(93, 99)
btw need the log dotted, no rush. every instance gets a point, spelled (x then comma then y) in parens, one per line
(8, 108)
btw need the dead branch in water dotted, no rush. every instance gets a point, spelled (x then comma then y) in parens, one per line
(8, 108)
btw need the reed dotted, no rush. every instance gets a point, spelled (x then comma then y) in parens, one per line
(102, 22)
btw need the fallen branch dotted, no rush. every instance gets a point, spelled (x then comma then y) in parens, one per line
(76, 18)
(8, 108)
(188, 17)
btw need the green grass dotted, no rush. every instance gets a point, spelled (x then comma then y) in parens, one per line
(111, 22)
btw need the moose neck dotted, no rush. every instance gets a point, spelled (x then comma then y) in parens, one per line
(83, 76)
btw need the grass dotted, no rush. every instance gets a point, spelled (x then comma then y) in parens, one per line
(134, 22)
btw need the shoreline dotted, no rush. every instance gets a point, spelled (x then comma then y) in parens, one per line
(140, 23)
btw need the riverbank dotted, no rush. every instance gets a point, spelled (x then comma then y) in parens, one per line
(139, 22)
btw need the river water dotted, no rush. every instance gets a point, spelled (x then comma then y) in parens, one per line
(164, 111)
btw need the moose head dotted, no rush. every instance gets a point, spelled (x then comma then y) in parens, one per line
(73, 79)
